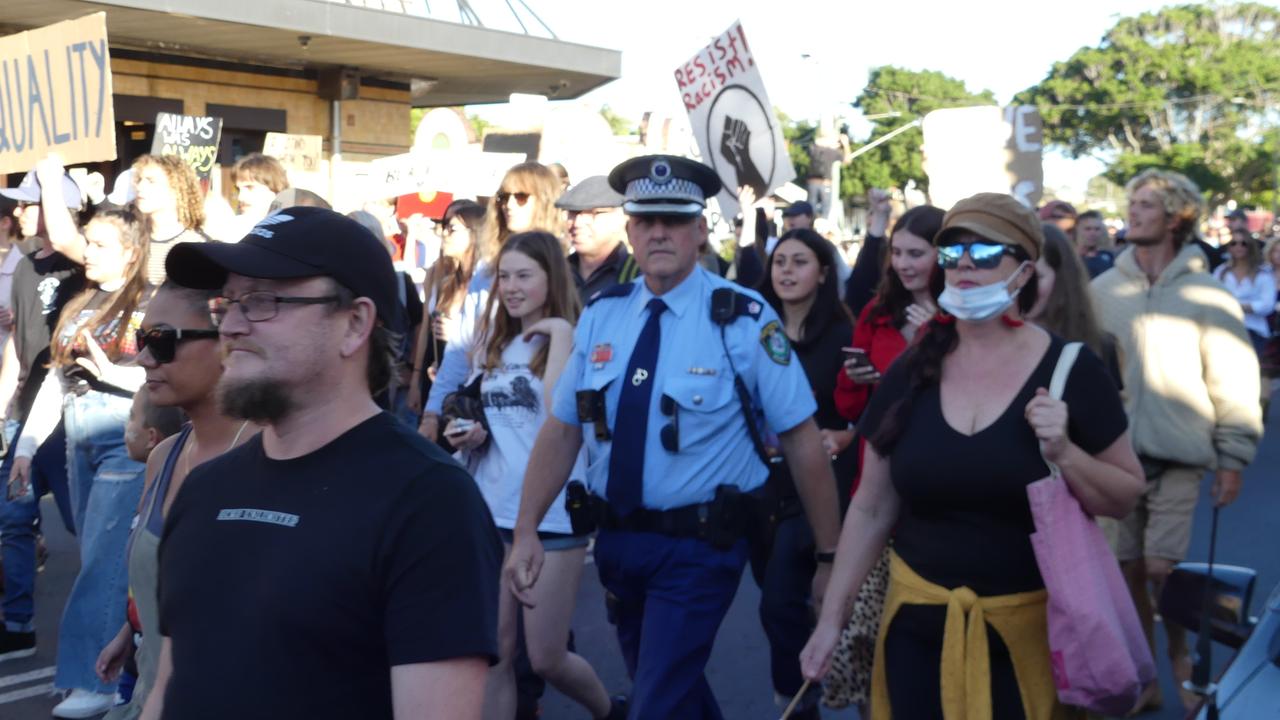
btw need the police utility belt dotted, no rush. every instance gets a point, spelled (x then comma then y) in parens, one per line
(728, 517)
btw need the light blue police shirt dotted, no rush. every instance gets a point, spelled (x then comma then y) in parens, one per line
(715, 447)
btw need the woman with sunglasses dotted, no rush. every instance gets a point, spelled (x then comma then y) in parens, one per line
(446, 287)
(526, 200)
(178, 348)
(958, 428)
(904, 304)
(1252, 284)
(90, 387)
(528, 333)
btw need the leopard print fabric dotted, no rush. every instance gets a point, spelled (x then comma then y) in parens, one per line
(849, 682)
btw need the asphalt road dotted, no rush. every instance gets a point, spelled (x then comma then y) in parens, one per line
(738, 671)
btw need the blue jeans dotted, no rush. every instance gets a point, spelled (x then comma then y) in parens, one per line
(105, 487)
(670, 596)
(20, 519)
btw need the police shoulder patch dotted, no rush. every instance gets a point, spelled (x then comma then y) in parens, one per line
(775, 343)
(616, 291)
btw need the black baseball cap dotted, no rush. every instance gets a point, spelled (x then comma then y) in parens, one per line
(798, 208)
(296, 242)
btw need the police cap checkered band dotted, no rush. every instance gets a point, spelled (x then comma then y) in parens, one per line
(664, 185)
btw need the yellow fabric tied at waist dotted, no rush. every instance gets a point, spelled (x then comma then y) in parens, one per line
(1018, 619)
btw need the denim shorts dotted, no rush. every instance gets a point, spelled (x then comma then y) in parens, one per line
(551, 541)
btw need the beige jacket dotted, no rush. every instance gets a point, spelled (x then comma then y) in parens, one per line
(1190, 372)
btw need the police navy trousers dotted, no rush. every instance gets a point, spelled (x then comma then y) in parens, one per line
(671, 596)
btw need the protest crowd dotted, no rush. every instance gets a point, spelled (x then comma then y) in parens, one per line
(350, 487)
(321, 459)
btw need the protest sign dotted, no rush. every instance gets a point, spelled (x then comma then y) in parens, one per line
(55, 95)
(732, 118)
(191, 137)
(295, 152)
(464, 173)
(984, 149)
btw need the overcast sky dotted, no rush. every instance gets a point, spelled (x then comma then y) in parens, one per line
(1000, 45)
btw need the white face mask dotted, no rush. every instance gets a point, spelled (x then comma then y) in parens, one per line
(977, 304)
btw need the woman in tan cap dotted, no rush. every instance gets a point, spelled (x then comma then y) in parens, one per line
(955, 433)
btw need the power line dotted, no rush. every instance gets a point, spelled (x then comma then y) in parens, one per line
(1189, 100)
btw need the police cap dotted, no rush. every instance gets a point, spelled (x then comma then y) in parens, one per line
(664, 185)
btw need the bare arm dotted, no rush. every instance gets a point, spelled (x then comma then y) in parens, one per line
(154, 707)
(559, 346)
(1107, 484)
(871, 517)
(549, 466)
(64, 236)
(449, 689)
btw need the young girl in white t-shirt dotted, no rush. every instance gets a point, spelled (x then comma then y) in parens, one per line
(528, 335)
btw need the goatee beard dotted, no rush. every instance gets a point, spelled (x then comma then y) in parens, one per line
(259, 400)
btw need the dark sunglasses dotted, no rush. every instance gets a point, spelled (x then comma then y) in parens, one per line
(521, 198)
(985, 255)
(1234, 243)
(163, 342)
(670, 433)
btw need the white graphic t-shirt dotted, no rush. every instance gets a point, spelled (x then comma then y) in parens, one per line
(515, 409)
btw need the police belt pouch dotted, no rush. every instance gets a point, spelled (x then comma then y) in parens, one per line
(720, 523)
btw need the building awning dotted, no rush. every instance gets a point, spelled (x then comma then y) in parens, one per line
(462, 64)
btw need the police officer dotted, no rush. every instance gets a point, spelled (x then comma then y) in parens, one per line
(667, 399)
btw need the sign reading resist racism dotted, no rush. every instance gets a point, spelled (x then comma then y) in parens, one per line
(984, 149)
(55, 95)
(193, 138)
(737, 132)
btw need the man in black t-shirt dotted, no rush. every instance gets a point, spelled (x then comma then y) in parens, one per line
(337, 565)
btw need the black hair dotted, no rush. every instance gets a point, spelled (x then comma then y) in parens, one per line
(826, 306)
(164, 420)
(197, 299)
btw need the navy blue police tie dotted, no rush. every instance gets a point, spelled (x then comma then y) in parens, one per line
(626, 462)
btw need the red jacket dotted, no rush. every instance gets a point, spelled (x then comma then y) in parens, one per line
(883, 344)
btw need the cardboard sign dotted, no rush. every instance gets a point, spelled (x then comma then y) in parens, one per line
(295, 152)
(732, 118)
(193, 138)
(55, 95)
(464, 173)
(984, 149)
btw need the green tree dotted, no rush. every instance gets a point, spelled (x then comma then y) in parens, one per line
(799, 136)
(619, 124)
(894, 97)
(1191, 88)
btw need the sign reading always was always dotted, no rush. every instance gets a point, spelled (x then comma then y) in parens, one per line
(55, 94)
(193, 138)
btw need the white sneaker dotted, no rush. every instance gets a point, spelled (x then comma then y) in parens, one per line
(84, 704)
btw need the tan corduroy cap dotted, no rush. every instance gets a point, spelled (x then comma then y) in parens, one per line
(997, 217)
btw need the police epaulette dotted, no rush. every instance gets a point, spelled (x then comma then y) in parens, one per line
(617, 291)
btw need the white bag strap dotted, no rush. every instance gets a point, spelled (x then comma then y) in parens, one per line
(1058, 384)
(1066, 361)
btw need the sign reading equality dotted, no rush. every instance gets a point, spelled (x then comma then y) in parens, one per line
(55, 95)
(193, 138)
(735, 125)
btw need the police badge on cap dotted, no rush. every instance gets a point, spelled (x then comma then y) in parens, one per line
(664, 185)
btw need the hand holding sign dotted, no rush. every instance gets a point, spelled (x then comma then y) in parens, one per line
(735, 146)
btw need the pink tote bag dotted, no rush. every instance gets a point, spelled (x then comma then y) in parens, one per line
(1100, 656)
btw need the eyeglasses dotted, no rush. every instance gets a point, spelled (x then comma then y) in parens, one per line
(163, 342)
(260, 306)
(521, 198)
(670, 433)
(1233, 243)
(985, 255)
